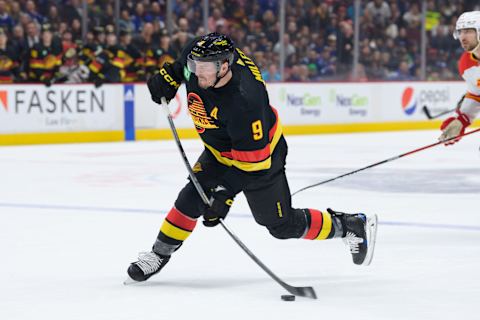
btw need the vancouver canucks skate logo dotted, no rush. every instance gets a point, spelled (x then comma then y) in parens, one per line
(198, 113)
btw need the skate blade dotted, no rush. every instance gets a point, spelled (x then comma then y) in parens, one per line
(129, 281)
(372, 222)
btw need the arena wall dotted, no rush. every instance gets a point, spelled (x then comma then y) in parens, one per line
(31, 114)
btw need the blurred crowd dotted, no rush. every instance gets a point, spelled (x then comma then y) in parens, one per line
(41, 40)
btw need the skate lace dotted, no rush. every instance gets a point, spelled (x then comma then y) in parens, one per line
(352, 241)
(148, 262)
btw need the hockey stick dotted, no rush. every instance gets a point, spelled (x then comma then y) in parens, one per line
(429, 114)
(308, 292)
(384, 161)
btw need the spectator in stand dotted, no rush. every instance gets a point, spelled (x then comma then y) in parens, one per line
(221, 27)
(145, 40)
(344, 47)
(442, 39)
(413, 15)
(168, 54)
(140, 17)
(9, 60)
(183, 26)
(402, 73)
(15, 11)
(380, 12)
(376, 70)
(76, 29)
(32, 36)
(6, 21)
(272, 74)
(69, 11)
(44, 58)
(268, 5)
(326, 64)
(18, 40)
(156, 14)
(389, 31)
(133, 59)
(100, 37)
(179, 41)
(263, 43)
(105, 15)
(71, 70)
(125, 22)
(289, 48)
(53, 18)
(62, 27)
(31, 11)
(331, 44)
(215, 18)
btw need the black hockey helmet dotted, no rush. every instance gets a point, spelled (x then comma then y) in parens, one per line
(213, 47)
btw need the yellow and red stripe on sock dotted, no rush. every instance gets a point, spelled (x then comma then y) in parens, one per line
(320, 225)
(177, 225)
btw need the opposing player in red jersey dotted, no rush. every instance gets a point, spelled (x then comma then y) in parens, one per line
(467, 31)
(245, 151)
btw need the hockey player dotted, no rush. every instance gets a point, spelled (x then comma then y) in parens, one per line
(467, 31)
(44, 58)
(9, 60)
(245, 151)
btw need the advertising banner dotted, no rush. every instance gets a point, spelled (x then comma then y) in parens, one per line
(403, 101)
(325, 103)
(60, 108)
(322, 103)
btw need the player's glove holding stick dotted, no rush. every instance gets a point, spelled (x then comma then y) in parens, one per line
(453, 127)
(221, 200)
(166, 82)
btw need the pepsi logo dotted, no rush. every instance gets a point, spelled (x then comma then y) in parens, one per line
(409, 103)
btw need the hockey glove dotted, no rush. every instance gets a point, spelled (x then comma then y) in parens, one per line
(453, 127)
(221, 200)
(166, 82)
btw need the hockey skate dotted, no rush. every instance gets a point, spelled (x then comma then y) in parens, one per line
(359, 235)
(148, 264)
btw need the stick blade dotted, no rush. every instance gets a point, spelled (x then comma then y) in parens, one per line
(307, 292)
(427, 112)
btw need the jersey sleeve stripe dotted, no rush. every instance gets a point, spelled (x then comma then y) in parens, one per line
(472, 96)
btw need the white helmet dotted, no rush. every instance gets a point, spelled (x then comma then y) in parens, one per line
(468, 20)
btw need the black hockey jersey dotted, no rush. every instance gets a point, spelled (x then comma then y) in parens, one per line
(235, 122)
(44, 62)
(9, 65)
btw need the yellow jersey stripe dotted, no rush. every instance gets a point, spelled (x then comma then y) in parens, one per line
(248, 166)
(326, 227)
(174, 232)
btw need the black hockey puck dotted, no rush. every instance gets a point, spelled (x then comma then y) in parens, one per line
(288, 297)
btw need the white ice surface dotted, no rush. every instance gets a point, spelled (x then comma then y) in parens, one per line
(72, 218)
